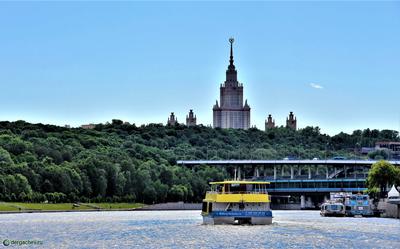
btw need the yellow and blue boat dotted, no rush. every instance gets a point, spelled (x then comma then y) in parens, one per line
(237, 202)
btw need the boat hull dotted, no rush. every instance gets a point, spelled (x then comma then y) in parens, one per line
(238, 217)
(333, 214)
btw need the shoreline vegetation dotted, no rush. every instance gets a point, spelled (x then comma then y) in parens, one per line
(119, 162)
(20, 207)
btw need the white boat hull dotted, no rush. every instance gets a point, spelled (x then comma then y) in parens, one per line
(233, 221)
(238, 217)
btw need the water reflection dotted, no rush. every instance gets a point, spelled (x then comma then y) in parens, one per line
(183, 229)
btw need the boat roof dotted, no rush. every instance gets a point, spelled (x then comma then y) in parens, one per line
(239, 182)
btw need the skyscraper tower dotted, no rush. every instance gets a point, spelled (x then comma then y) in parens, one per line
(291, 121)
(172, 120)
(231, 113)
(191, 119)
(269, 123)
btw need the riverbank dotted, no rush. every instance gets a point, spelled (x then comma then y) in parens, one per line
(20, 207)
(172, 206)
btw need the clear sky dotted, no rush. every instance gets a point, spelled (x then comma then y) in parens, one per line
(336, 65)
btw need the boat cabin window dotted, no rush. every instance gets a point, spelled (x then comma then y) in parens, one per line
(335, 207)
(215, 188)
(359, 198)
(236, 188)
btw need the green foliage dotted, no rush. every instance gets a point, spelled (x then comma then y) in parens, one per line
(373, 192)
(382, 175)
(178, 192)
(397, 178)
(5, 160)
(382, 154)
(123, 162)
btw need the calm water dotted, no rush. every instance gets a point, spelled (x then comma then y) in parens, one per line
(183, 229)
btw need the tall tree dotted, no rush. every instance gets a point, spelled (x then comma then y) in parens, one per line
(382, 175)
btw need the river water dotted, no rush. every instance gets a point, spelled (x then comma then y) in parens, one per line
(183, 229)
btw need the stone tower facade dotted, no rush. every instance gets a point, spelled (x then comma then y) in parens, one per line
(231, 113)
(291, 121)
(269, 123)
(191, 119)
(172, 120)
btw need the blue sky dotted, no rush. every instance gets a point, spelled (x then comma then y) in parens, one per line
(80, 62)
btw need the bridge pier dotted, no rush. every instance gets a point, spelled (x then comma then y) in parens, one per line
(291, 172)
(309, 202)
(256, 172)
(302, 202)
(274, 172)
(327, 172)
(309, 172)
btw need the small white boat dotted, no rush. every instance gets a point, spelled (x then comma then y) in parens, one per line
(332, 208)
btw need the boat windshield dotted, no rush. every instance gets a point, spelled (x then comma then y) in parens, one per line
(359, 198)
(336, 207)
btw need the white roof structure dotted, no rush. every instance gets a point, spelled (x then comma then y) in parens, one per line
(393, 193)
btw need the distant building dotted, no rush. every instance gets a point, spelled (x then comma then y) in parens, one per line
(366, 150)
(67, 126)
(394, 147)
(88, 126)
(231, 113)
(191, 119)
(269, 123)
(172, 120)
(291, 121)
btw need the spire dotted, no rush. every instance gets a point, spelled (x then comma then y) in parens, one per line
(231, 74)
(231, 40)
(231, 66)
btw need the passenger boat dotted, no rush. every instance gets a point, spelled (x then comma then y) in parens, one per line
(333, 208)
(359, 205)
(237, 202)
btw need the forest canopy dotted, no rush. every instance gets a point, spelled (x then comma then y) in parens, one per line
(123, 162)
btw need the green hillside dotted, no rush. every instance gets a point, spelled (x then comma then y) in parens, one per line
(124, 163)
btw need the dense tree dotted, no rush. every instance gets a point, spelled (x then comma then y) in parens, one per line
(382, 175)
(382, 154)
(118, 161)
(397, 179)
